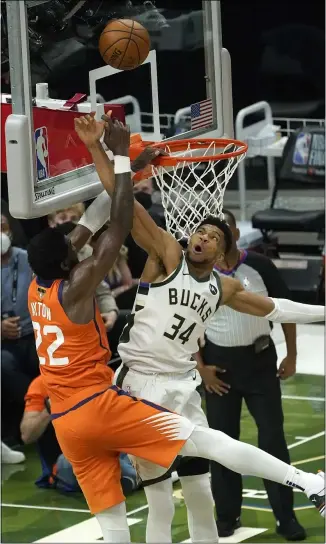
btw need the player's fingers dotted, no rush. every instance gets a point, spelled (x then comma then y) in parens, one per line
(107, 118)
(83, 121)
(223, 390)
(219, 369)
(208, 388)
(223, 384)
(218, 391)
(151, 153)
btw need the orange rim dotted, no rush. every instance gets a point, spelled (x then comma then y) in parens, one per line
(176, 146)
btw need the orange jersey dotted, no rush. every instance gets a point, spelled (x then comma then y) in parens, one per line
(36, 396)
(73, 358)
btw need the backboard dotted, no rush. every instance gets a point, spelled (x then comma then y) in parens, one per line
(183, 89)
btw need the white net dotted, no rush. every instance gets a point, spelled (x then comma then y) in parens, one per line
(191, 191)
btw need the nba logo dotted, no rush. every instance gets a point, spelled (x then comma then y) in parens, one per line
(42, 154)
(302, 148)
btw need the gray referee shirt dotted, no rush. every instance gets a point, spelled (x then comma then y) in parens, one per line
(259, 275)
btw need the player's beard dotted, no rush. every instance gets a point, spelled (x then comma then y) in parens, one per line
(205, 263)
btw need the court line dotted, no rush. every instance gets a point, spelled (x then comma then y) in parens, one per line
(304, 440)
(308, 460)
(37, 507)
(294, 397)
(62, 509)
(86, 531)
(267, 509)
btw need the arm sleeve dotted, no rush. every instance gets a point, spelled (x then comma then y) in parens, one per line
(275, 285)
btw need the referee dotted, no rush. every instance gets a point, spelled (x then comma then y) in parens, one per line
(241, 344)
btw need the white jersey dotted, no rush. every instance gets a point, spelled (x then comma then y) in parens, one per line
(167, 320)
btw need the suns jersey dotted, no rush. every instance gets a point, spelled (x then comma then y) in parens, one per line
(73, 358)
(167, 320)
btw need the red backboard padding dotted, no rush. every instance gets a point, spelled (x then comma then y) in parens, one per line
(66, 151)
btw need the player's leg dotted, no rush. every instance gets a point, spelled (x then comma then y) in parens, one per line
(114, 525)
(197, 493)
(195, 482)
(249, 460)
(156, 481)
(81, 435)
(119, 422)
(159, 497)
(224, 414)
(157, 434)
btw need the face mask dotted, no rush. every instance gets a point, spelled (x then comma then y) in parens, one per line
(5, 243)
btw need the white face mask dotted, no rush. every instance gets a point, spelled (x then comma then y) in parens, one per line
(5, 243)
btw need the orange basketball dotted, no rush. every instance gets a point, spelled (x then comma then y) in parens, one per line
(124, 44)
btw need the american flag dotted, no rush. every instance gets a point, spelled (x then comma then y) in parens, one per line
(201, 114)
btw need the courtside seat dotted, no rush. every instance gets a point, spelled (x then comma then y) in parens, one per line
(283, 220)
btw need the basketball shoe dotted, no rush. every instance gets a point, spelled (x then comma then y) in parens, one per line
(316, 493)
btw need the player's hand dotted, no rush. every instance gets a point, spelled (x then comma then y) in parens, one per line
(212, 383)
(287, 368)
(10, 328)
(146, 157)
(109, 319)
(88, 129)
(116, 136)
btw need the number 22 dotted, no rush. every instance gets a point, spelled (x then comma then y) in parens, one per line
(50, 329)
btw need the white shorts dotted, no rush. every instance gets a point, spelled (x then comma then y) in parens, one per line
(176, 392)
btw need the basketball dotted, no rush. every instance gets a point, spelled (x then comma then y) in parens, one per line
(124, 44)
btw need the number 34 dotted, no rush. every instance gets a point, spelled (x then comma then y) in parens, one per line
(183, 335)
(50, 329)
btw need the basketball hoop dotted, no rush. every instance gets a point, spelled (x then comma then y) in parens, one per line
(192, 179)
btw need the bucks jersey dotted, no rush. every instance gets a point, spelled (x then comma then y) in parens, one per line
(167, 320)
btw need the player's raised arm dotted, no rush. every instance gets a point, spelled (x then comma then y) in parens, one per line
(154, 240)
(90, 272)
(98, 212)
(278, 310)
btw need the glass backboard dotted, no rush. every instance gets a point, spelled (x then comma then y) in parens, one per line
(183, 90)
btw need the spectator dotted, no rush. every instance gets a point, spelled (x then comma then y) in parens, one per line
(119, 277)
(19, 360)
(71, 214)
(242, 346)
(56, 470)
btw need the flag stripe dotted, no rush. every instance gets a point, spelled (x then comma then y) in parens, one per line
(201, 114)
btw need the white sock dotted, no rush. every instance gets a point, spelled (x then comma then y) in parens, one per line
(114, 525)
(160, 512)
(242, 458)
(199, 500)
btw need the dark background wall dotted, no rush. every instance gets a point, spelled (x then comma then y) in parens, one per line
(277, 51)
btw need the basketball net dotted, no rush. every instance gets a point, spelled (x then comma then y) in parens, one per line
(193, 179)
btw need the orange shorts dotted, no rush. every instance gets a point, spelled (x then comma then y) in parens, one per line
(93, 433)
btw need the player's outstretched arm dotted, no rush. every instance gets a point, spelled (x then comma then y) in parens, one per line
(154, 240)
(279, 310)
(90, 272)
